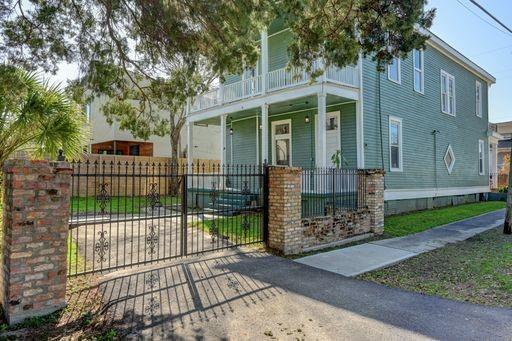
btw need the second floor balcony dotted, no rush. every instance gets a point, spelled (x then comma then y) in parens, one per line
(273, 81)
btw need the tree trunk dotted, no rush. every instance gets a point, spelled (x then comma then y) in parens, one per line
(174, 183)
(507, 228)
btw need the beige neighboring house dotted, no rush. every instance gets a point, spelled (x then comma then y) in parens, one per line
(505, 130)
(500, 141)
(109, 139)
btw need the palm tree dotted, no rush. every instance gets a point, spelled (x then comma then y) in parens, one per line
(38, 117)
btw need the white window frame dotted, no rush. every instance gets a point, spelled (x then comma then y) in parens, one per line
(478, 99)
(449, 167)
(283, 136)
(481, 156)
(448, 95)
(399, 65)
(421, 70)
(393, 119)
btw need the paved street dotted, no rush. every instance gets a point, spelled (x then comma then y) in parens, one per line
(355, 260)
(253, 295)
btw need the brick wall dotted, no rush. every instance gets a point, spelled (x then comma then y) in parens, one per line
(289, 233)
(36, 212)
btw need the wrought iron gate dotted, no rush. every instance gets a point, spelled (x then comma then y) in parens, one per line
(126, 214)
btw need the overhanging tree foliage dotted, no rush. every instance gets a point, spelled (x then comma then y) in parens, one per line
(149, 56)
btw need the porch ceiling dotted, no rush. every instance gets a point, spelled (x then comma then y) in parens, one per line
(298, 104)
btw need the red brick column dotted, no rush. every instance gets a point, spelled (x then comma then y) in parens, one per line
(375, 198)
(284, 200)
(36, 213)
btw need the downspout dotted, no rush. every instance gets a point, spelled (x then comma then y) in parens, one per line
(434, 133)
(380, 125)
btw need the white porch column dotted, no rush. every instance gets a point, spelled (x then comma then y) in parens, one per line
(190, 145)
(264, 133)
(359, 117)
(321, 140)
(223, 140)
(264, 60)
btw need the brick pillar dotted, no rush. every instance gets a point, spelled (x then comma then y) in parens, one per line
(284, 207)
(375, 198)
(36, 212)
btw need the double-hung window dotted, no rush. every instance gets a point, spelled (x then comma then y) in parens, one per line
(395, 144)
(478, 98)
(481, 157)
(447, 93)
(418, 64)
(394, 70)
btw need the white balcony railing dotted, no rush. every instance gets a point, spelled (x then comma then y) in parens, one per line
(276, 80)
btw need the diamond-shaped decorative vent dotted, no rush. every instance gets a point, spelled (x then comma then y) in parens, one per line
(449, 159)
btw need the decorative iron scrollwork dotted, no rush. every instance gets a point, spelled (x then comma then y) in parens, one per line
(213, 193)
(152, 279)
(103, 197)
(101, 247)
(214, 230)
(152, 239)
(152, 307)
(245, 225)
(153, 195)
(245, 189)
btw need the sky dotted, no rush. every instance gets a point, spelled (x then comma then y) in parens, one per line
(471, 32)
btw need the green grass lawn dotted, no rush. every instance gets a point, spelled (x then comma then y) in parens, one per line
(401, 225)
(477, 270)
(232, 227)
(135, 204)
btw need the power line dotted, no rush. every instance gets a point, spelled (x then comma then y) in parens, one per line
(490, 14)
(483, 19)
(492, 50)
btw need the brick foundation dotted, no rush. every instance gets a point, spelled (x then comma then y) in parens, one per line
(36, 213)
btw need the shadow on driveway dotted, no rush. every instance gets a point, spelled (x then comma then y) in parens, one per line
(254, 295)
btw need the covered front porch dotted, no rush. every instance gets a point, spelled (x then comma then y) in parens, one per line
(287, 133)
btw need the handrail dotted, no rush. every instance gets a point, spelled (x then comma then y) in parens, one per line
(276, 80)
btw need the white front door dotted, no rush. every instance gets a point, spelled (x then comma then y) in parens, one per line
(332, 135)
(282, 143)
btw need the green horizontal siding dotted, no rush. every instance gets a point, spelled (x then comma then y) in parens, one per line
(421, 115)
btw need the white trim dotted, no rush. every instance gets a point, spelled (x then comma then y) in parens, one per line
(360, 118)
(415, 193)
(448, 76)
(393, 119)
(336, 114)
(457, 57)
(264, 133)
(481, 150)
(421, 70)
(276, 97)
(399, 81)
(452, 154)
(257, 140)
(478, 100)
(289, 136)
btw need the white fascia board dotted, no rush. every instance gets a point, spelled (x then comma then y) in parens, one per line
(458, 57)
(416, 193)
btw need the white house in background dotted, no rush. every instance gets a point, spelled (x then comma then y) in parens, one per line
(109, 139)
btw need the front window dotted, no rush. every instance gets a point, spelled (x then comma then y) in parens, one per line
(481, 157)
(281, 143)
(394, 70)
(418, 70)
(447, 93)
(395, 144)
(478, 97)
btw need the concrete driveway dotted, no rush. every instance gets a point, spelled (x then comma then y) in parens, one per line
(254, 295)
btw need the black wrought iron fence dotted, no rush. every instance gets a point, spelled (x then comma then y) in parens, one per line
(124, 214)
(328, 191)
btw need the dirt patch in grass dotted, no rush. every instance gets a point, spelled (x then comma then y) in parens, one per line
(477, 270)
(82, 318)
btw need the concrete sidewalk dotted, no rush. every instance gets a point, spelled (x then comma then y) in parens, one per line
(355, 260)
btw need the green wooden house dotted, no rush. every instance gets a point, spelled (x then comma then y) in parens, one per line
(424, 120)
